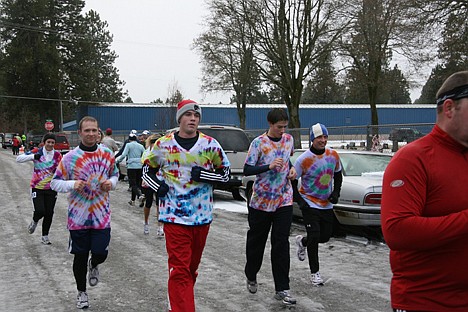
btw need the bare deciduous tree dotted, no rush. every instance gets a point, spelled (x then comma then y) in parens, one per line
(226, 48)
(379, 30)
(292, 36)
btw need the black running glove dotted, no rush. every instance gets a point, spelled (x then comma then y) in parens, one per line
(162, 189)
(220, 175)
(333, 198)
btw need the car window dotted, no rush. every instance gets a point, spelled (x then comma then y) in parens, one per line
(60, 139)
(356, 164)
(295, 155)
(230, 140)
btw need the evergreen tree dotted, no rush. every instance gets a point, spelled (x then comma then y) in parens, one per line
(394, 88)
(88, 65)
(453, 55)
(323, 88)
(31, 61)
(52, 51)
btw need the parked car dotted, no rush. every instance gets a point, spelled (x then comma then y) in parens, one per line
(235, 144)
(404, 134)
(34, 140)
(7, 140)
(361, 192)
(61, 143)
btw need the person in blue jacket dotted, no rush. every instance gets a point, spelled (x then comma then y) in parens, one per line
(133, 151)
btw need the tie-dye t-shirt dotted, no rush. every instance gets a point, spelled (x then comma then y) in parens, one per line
(187, 202)
(44, 171)
(88, 208)
(316, 173)
(272, 189)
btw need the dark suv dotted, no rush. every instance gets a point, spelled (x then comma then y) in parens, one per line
(404, 135)
(235, 144)
(34, 140)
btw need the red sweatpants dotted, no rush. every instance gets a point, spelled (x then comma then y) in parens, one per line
(184, 245)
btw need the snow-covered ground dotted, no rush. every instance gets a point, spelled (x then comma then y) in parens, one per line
(36, 277)
(224, 201)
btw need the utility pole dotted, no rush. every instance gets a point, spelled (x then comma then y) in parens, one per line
(61, 117)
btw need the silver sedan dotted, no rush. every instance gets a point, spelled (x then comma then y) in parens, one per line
(361, 192)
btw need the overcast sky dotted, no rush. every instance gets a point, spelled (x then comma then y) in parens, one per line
(153, 40)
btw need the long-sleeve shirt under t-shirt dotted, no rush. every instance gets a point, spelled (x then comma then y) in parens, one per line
(316, 173)
(272, 189)
(187, 202)
(44, 167)
(88, 208)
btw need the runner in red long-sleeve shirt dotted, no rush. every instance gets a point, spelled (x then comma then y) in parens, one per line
(425, 210)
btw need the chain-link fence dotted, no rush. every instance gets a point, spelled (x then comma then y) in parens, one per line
(383, 138)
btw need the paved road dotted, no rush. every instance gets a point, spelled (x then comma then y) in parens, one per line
(34, 277)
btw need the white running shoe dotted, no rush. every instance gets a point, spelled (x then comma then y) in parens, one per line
(93, 274)
(142, 198)
(285, 297)
(45, 240)
(32, 227)
(316, 279)
(160, 231)
(146, 229)
(82, 300)
(301, 250)
(131, 203)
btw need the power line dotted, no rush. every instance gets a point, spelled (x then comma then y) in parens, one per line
(83, 36)
(47, 99)
(43, 30)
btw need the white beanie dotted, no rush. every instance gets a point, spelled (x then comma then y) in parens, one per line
(185, 106)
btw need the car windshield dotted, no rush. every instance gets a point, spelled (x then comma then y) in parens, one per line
(230, 140)
(60, 139)
(355, 164)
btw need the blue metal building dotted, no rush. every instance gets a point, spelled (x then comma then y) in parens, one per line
(126, 116)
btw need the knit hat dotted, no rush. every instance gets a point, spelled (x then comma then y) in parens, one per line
(185, 106)
(48, 136)
(109, 131)
(132, 137)
(317, 130)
